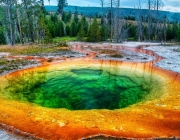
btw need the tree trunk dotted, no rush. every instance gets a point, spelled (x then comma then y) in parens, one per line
(19, 24)
(149, 20)
(111, 22)
(139, 23)
(10, 21)
(157, 19)
(29, 21)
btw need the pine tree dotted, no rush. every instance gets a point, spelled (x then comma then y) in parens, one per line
(64, 17)
(61, 5)
(94, 34)
(174, 30)
(81, 33)
(76, 19)
(48, 36)
(169, 32)
(9, 20)
(54, 18)
(23, 20)
(104, 32)
(132, 31)
(68, 17)
(51, 27)
(42, 6)
(178, 34)
(68, 30)
(59, 29)
(2, 38)
(73, 31)
(85, 25)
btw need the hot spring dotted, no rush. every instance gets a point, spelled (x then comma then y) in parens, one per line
(87, 97)
(82, 87)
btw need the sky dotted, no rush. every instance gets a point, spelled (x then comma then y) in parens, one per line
(169, 5)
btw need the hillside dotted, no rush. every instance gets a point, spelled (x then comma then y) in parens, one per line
(172, 16)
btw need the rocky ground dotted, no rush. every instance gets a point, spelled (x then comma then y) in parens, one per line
(169, 52)
(171, 56)
(114, 51)
(11, 62)
(9, 136)
(127, 55)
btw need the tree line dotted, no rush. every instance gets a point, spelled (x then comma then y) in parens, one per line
(26, 21)
(22, 21)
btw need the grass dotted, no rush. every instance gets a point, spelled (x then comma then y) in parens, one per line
(117, 56)
(3, 61)
(31, 49)
(109, 52)
(7, 64)
(104, 51)
(64, 39)
(132, 39)
(60, 44)
(171, 44)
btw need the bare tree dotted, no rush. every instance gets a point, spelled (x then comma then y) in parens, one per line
(27, 6)
(118, 23)
(22, 20)
(9, 12)
(158, 5)
(120, 30)
(111, 17)
(149, 18)
(9, 21)
(139, 21)
(111, 20)
(102, 11)
(164, 28)
(19, 22)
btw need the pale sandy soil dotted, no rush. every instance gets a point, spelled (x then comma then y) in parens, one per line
(171, 56)
(9, 136)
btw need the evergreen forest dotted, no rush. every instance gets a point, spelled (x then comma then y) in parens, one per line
(28, 22)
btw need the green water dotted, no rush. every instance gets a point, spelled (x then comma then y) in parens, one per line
(81, 89)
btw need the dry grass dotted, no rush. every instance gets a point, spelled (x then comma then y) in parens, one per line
(117, 56)
(104, 51)
(30, 49)
(109, 52)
